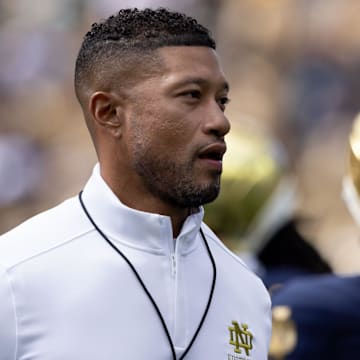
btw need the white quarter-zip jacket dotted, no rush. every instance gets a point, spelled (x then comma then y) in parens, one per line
(66, 294)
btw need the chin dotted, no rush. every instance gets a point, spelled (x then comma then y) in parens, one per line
(208, 194)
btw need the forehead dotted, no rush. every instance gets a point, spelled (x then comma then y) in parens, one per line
(179, 63)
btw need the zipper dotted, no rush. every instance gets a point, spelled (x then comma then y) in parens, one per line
(173, 265)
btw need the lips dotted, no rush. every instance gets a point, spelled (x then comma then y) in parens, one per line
(213, 151)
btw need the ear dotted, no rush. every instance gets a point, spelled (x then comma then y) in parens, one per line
(106, 110)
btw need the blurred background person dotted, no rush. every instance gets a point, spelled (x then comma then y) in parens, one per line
(324, 310)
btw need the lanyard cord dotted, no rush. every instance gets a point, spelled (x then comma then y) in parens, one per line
(147, 292)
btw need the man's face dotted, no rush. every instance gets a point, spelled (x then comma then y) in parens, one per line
(177, 125)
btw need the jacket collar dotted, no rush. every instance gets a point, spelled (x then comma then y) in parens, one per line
(138, 229)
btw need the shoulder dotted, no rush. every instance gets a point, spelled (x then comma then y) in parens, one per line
(43, 232)
(230, 262)
(219, 247)
(237, 279)
(319, 291)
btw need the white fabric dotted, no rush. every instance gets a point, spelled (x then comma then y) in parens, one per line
(65, 294)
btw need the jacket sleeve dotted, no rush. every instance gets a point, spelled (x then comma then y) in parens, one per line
(7, 318)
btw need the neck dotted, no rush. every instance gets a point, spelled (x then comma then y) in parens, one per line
(177, 221)
(140, 199)
(132, 193)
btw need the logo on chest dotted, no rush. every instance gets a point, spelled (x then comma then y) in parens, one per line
(240, 337)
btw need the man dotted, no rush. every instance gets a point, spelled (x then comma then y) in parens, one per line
(127, 270)
(324, 308)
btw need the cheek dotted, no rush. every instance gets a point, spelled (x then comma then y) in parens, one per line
(174, 139)
(166, 127)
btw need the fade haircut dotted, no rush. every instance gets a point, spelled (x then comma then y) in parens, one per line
(126, 40)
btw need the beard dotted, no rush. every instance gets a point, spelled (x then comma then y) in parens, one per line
(173, 182)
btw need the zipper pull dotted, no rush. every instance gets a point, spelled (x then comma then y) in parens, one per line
(173, 265)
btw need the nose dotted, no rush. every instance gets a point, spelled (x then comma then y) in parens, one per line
(216, 122)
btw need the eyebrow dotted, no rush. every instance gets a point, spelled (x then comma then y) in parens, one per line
(200, 81)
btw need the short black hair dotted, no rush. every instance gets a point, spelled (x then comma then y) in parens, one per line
(134, 31)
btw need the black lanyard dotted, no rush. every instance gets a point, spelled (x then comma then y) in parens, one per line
(147, 292)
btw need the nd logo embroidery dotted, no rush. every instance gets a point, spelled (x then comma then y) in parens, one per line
(241, 338)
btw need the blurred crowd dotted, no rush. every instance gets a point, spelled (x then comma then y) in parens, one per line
(294, 72)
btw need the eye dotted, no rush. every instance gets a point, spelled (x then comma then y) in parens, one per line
(223, 101)
(194, 94)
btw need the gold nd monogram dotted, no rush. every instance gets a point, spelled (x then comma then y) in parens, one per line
(240, 337)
